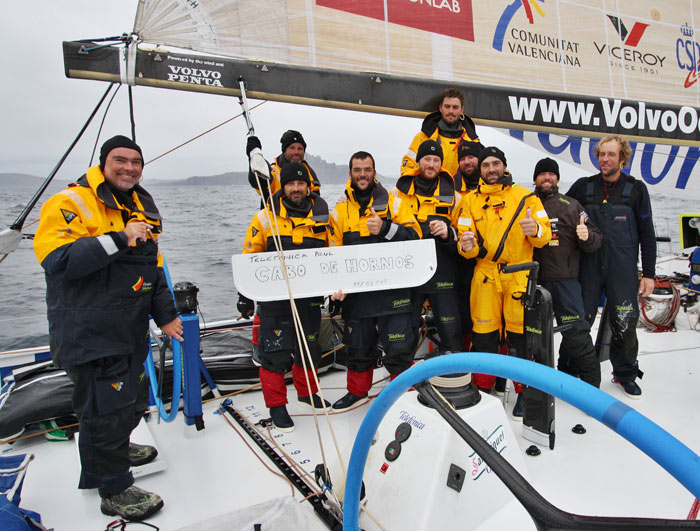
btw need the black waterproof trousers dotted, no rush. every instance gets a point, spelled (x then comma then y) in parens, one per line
(448, 321)
(577, 354)
(109, 399)
(397, 334)
(278, 342)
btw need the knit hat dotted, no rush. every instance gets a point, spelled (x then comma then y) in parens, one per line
(294, 171)
(289, 137)
(546, 164)
(114, 143)
(492, 151)
(467, 147)
(429, 147)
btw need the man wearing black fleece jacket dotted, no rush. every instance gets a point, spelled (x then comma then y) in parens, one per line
(620, 206)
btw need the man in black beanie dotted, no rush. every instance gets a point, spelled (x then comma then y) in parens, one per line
(467, 176)
(301, 217)
(572, 233)
(466, 180)
(499, 224)
(293, 150)
(430, 193)
(98, 244)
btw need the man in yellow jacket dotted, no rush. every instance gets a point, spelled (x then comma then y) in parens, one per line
(293, 150)
(429, 192)
(368, 216)
(97, 242)
(448, 126)
(301, 217)
(499, 224)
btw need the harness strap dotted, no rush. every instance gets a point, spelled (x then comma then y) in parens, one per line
(502, 244)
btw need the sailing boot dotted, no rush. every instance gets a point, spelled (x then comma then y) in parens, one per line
(518, 407)
(319, 405)
(281, 419)
(359, 383)
(348, 401)
(131, 504)
(141, 454)
(500, 387)
(55, 432)
(631, 389)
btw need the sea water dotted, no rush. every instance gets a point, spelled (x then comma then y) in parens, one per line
(203, 227)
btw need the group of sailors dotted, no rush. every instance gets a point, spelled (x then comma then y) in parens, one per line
(97, 242)
(460, 194)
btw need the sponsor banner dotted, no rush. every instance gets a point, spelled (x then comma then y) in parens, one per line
(444, 17)
(491, 105)
(665, 169)
(598, 115)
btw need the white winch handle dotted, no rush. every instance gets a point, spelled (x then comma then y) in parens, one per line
(243, 100)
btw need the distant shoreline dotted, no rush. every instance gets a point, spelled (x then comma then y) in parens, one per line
(328, 173)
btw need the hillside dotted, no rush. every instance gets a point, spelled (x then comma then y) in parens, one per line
(328, 173)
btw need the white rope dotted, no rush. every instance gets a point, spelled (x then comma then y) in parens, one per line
(301, 336)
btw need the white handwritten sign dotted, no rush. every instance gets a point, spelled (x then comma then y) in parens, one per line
(352, 268)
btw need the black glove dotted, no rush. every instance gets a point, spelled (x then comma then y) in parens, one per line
(245, 306)
(334, 307)
(252, 143)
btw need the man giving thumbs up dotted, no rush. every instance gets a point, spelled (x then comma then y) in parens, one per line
(499, 224)
(572, 233)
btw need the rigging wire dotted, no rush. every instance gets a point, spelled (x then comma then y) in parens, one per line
(131, 114)
(201, 134)
(102, 123)
(301, 337)
(271, 215)
(19, 222)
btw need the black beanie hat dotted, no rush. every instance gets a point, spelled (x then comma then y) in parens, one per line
(467, 147)
(429, 147)
(492, 151)
(114, 143)
(294, 171)
(546, 164)
(289, 137)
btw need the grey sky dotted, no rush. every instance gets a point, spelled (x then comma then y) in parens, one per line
(43, 110)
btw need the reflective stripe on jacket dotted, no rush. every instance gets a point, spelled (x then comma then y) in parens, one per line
(99, 292)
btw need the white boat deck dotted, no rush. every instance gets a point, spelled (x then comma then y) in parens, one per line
(213, 472)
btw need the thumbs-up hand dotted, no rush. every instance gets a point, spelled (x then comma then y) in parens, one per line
(528, 225)
(468, 241)
(581, 229)
(374, 222)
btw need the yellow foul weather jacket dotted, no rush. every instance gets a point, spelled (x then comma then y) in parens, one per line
(306, 232)
(450, 146)
(493, 212)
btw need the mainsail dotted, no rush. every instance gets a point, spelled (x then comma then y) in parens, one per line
(569, 67)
